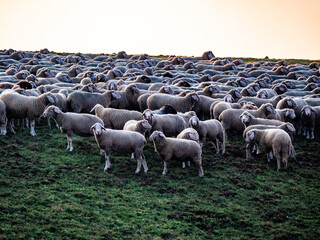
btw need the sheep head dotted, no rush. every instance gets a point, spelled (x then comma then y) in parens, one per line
(250, 138)
(263, 94)
(168, 90)
(156, 136)
(194, 96)
(246, 118)
(290, 113)
(268, 109)
(51, 112)
(115, 95)
(97, 128)
(291, 103)
(147, 115)
(228, 98)
(145, 124)
(194, 122)
(307, 111)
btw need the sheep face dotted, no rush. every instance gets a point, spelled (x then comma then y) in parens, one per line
(269, 109)
(97, 128)
(51, 99)
(292, 104)
(146, 125)
(263, 94)
(112, 86)
(147, 115)
(115, 95)
(51, 112)
(156, 136)
(195, 97)
(168, 90)
(289, 113)
(307, 111)
(194, 122)
(245, 118)
(290, 129)
(228, 98)
(133, 88)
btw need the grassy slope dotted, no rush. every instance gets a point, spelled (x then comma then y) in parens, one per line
(46, 192)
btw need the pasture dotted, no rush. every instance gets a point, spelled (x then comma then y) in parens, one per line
(48, 192)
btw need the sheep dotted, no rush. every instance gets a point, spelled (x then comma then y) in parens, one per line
(166, 109)
(3, 120)
(259, 101)
(169, 124)
(141, 126)
(115, 118)
(181, 104)
(72, 123)
(247, 119)
(120, 141)
(276, 142)
(83, 102)
(211, 130)
(180, 149)
(128, 98)
(284, 115)
(142, 99)
(310, 117)
(186, 116)
(20, 107)
(230, 117)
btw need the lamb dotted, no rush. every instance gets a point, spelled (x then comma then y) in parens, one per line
(83, 102)
(115, 118)
(169, 124)
(21, 107)
(230, 117)
(181, 104)
(211, 130)
(310, 117)
(180, 149)
(141, 126)
(3, 120)
(276, 142)
(120, 141)
(72, 123)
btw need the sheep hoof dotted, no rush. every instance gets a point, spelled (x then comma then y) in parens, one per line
(164, 173)
(105, 169)
(33, 134)
(146, 170)
(137, 171)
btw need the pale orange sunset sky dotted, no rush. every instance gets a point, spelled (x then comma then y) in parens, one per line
(237, 28)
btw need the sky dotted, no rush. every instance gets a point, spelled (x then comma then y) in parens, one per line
(235, 28)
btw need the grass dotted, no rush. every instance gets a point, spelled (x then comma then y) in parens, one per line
(49, 193)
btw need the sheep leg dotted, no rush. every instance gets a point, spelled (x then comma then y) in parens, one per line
(217, 145)
(308, 136)
(293, 152)
(144, 164)
(223, 144)
(312, 133)
(132, 155)
(200, 169)
(49, 123)
(165, 170)
(102, 152)
(258, 150)
(69, 140)
(138, 165)
(27, 123)
(108, 163)
(3, 129)
(11, 126)
(188, 163)
(32, 124)
(269, 156)
(278, 157)
(183, 165)
(248, 153)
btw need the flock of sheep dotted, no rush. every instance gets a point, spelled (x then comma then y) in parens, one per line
(178, 103)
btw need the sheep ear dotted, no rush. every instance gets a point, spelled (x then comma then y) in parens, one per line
(57, 110)
(161, 135)
(115, 95)
(94, 108)
(287, 113)
(291, 128)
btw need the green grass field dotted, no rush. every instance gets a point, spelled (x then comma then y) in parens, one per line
(49, 193)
